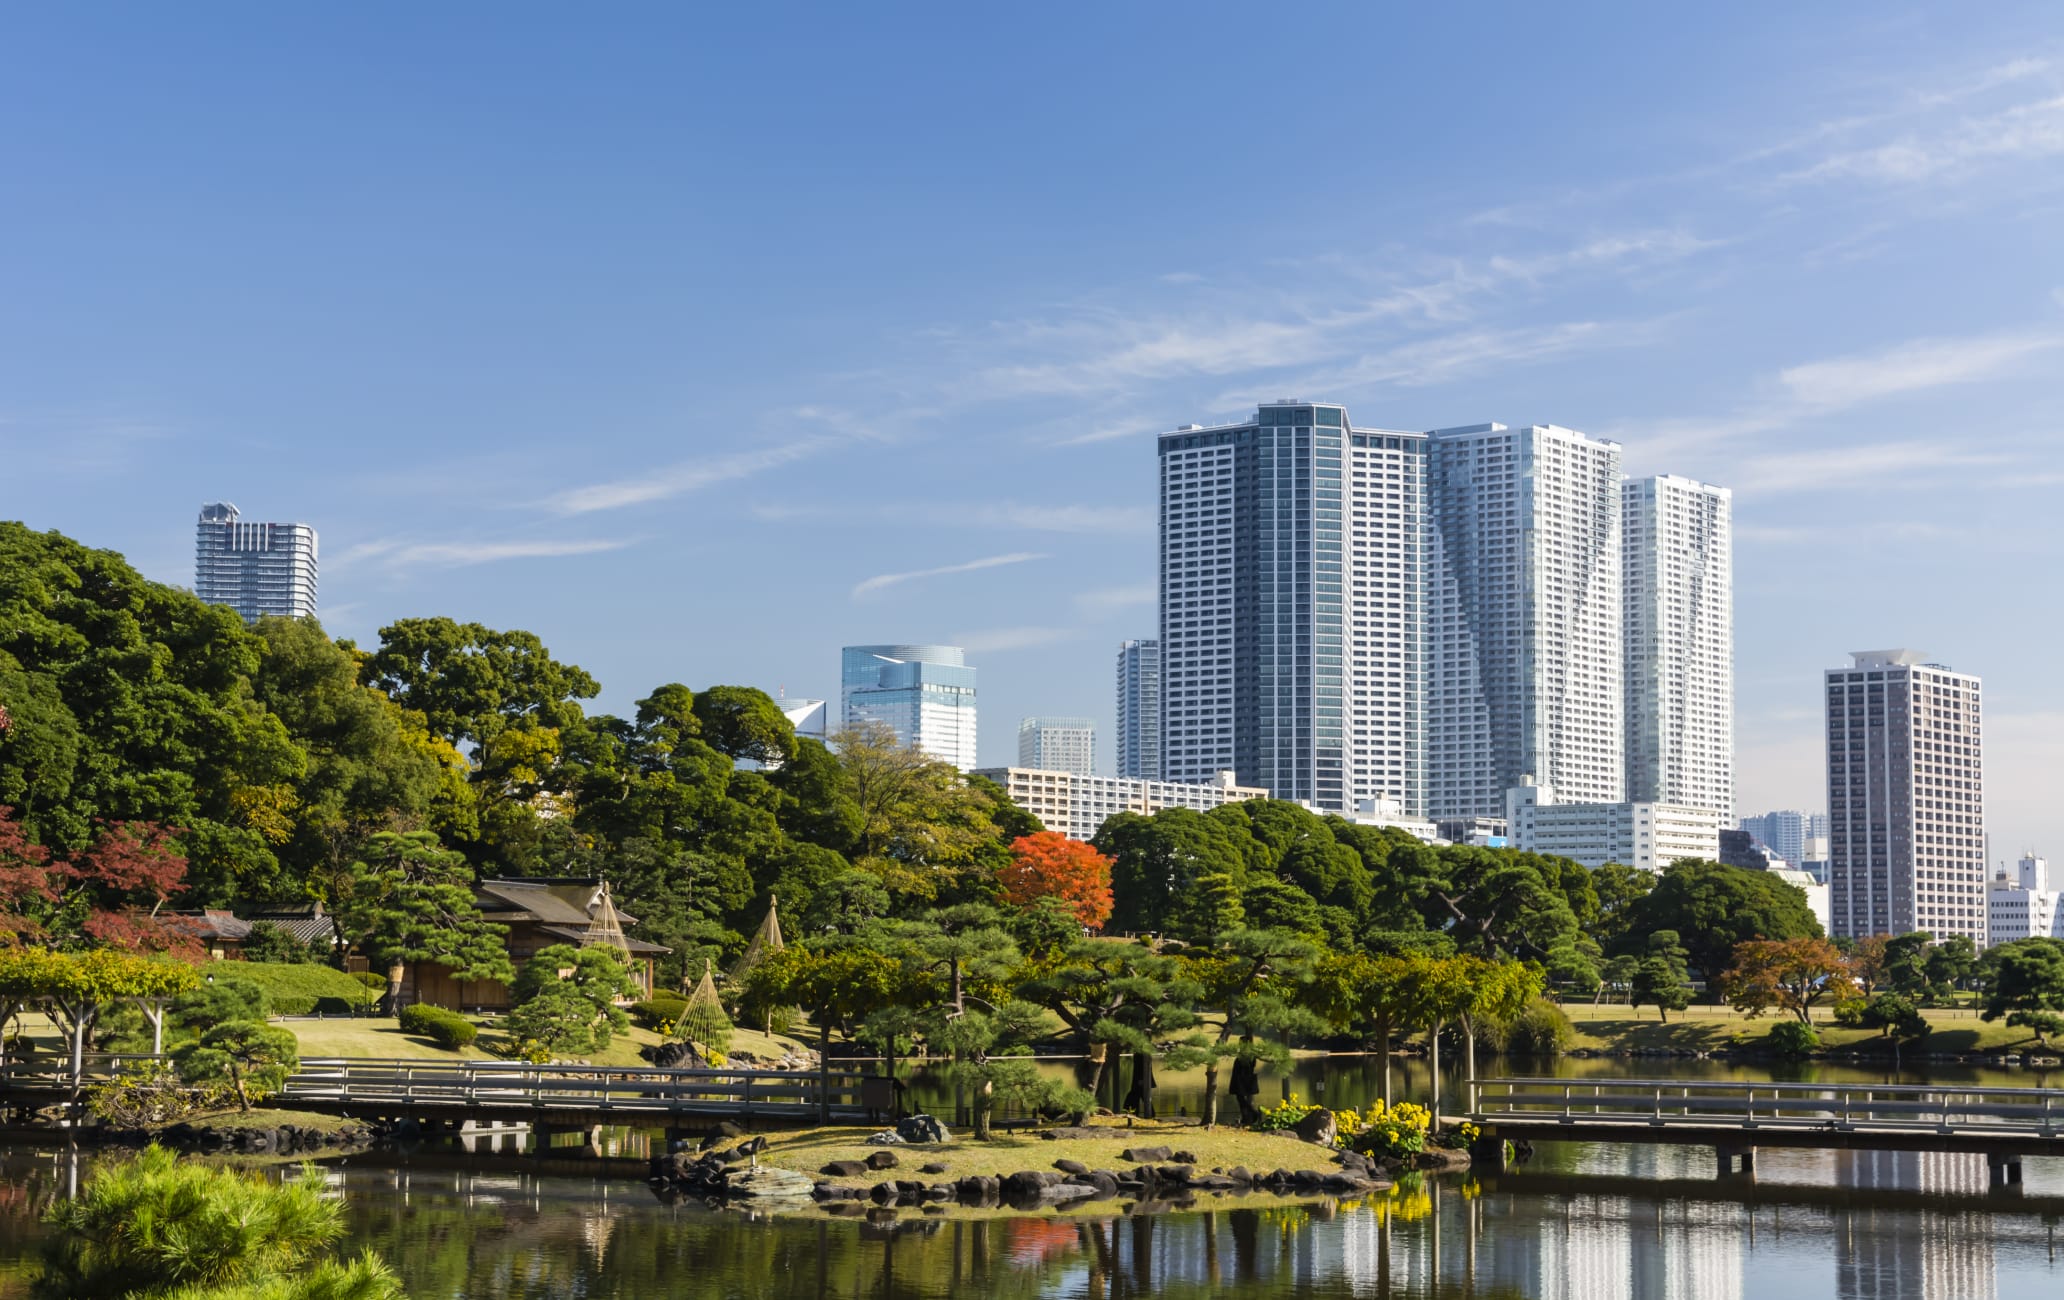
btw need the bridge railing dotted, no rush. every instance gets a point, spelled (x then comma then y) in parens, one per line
(1841, 1107)
(503, 1084)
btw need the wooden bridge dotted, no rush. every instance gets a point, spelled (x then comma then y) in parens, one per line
(2001, 1124)
(555, 1097)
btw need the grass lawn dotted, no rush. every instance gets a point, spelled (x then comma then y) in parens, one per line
(382, 1039)
(1616, 1028)
(809, 1150)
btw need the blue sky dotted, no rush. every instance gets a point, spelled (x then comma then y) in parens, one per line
(703, 342)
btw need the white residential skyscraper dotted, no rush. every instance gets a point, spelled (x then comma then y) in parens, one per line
(923, 693)
(1906, 798)
(1269, 529)
(255, 569)
(1677, 616)
(1528, 661)
(1139, 709)
(1058, 745)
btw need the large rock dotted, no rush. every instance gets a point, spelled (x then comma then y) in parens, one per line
(1319, 1127)
(882, 1160)
(921, 1129)
(846, 1169)
(768, 1183)
(1146, 1155)
(1071, 1166)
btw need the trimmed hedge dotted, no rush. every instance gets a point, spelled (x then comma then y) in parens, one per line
(448, 1029)
(660, 1009)
(297, 990)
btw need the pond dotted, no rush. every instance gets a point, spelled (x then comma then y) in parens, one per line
(1578, 1222)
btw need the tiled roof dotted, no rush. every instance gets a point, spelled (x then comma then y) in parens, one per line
(559, 901)
(580, 934)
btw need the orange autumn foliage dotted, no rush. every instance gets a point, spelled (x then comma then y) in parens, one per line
(1048, 864)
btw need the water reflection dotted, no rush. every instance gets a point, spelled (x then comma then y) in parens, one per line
(1582, 1222)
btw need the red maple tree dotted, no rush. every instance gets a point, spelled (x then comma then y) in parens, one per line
(1047, 864)
(113, 890)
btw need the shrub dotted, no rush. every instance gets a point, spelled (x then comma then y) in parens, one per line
(1541, 1029)
(661, 1009)
(1793, 1040)
(1381, 1130)
(301, 990)
(1284, 1115)
(157, 1224)
(1849, 1013)
(447, 1029)
(269, 943)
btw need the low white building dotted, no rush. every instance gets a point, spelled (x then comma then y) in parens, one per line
(2022, 904)
(1391, 813)
(1650, 836)
(1077, 805)
(1816, 891)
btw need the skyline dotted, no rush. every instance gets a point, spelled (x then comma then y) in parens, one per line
(703, 394)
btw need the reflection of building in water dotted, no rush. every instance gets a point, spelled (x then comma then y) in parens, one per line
(1926, 1256)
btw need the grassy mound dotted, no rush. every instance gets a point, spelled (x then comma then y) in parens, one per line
(299, 990)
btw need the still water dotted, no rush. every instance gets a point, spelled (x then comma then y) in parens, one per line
(1578, 1222)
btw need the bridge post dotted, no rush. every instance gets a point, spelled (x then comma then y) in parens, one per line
(2003, 1169)
(1487, 1154)
(1732, 1160)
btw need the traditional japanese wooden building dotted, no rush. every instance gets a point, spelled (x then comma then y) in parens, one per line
(539, 913)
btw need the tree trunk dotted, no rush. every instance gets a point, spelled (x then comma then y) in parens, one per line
(236, 1076)
(1435, 1056)
(1211, 1094)
(394, 974)
(1383, 1046)
(984, 1106)
(824, 1070)
(156, 1016)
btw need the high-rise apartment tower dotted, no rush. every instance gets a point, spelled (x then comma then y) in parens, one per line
(1139, 709)
(1528, 662)
(255, 569)
(925, 694)
(1677, 616)
(1292, 626)
(1906, 798)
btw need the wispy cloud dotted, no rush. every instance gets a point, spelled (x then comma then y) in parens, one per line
(1816, 389)
(1451, 356)
(2024, 131)
(1923, 363)
(683, 477)
(1027, 516)
(453, 555)
(1000, 639)
(882, 581)
(1110, 600)
(1812, 471)
(1229, 329)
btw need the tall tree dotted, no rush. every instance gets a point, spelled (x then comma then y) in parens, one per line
(1788, 975)
(1657, 977)
(1715, 908)
(410, 900)
(2027, 987)
(1252, 981)
(742, 723)
(1050, 865)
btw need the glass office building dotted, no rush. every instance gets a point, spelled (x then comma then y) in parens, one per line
(925, 694)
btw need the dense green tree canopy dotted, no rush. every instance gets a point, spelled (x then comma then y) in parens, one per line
(1713, 908)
